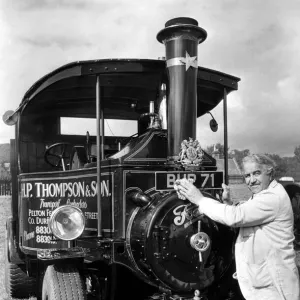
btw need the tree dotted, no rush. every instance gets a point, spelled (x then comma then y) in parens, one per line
(297, 153)
(209, 149)
(281, 163)
(238, 155)
(220, 147)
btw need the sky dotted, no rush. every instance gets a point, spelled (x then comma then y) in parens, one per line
(257, 41)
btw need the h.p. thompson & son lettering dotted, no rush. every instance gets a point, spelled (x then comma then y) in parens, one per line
(65, 189)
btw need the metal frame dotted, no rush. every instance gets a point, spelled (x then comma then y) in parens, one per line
(225, 138)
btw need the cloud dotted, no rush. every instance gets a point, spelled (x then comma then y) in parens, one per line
(257, 41)
(61, 42)
(27, 5)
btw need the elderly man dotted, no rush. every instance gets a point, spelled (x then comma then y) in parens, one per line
(265, 257)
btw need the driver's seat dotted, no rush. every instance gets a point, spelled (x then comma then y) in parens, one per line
(78, 158)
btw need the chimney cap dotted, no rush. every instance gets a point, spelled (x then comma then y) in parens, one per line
(181, 21)
(182, 25)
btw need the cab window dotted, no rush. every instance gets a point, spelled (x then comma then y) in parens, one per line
(112, 127)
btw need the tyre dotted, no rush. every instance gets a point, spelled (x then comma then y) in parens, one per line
(17, 284)
(63, 282)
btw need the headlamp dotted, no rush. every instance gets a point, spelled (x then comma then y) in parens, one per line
(67, 222)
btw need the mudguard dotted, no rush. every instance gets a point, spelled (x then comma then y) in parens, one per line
(13, 250)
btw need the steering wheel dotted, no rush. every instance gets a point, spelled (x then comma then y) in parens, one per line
(55, 155)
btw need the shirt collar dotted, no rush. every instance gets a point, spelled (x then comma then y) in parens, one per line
(272, 184)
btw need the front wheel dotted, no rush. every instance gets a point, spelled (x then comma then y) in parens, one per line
(18, 284)
(63, 282)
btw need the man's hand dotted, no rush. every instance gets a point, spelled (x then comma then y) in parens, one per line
(186, 190)
(226, 194)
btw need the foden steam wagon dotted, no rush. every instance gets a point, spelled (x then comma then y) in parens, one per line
(98, 146)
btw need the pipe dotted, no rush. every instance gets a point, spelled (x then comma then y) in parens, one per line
(102, 132)
(162, 106)
(99, 116)
(138, 198)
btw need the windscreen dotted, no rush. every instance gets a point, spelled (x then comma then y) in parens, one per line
(112, 127)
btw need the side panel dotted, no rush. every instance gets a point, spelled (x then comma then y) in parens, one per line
(39, 196)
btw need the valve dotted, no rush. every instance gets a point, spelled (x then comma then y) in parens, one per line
(153, 119)
(196, 295)
(200, 242)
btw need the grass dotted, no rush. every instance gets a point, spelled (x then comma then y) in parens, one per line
(4, 213)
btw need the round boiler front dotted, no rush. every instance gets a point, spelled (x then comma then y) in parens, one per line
(177, 248)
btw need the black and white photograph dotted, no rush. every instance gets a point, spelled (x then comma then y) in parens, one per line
(149, 150)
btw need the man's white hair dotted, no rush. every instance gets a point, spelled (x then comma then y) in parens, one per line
(262, 160)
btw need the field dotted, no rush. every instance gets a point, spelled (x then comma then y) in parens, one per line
(4, 213)
(239, 191)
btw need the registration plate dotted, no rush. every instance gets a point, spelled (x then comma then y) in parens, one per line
(204, 180)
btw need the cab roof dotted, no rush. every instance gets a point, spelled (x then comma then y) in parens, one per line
(127, 87)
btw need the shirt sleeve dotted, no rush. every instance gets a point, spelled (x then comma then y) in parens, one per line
(263, 208)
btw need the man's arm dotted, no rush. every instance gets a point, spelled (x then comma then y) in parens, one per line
(261, 209)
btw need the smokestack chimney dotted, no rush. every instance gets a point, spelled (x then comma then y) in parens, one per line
(181, 37)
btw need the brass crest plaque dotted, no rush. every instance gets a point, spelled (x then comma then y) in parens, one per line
(191, 154)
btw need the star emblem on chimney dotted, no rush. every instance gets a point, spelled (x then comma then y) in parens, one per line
(189, 61)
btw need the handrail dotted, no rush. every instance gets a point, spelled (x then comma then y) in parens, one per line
(225, 137)
(99, 115)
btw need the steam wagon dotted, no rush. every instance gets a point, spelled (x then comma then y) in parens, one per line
(98, 146)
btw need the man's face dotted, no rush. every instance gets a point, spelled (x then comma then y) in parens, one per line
(256, 176)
